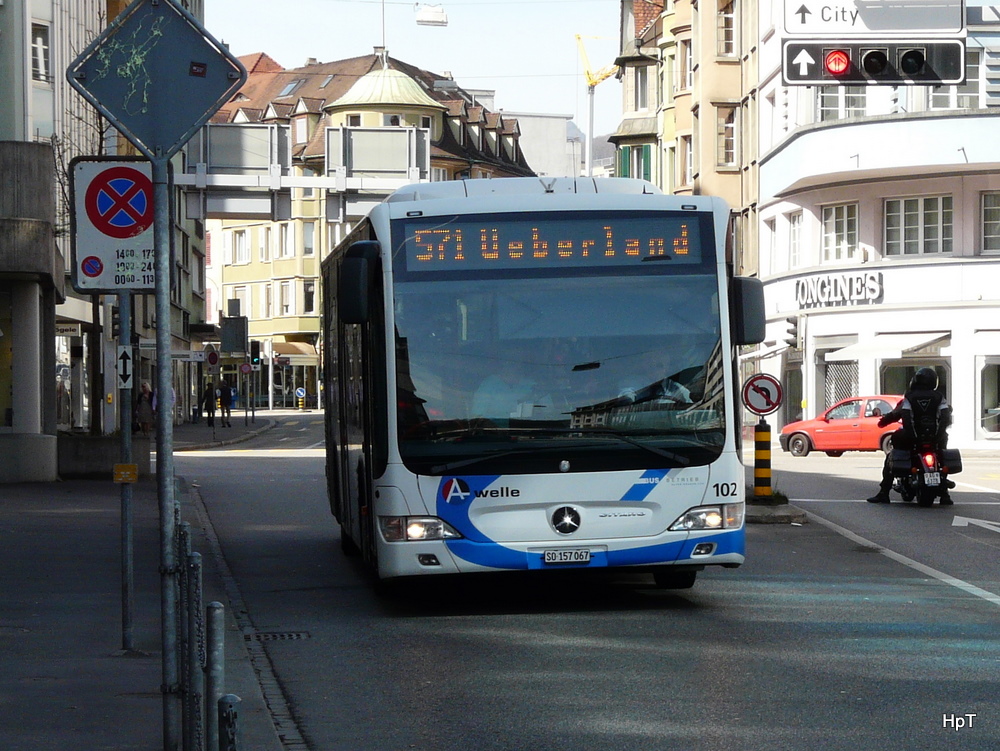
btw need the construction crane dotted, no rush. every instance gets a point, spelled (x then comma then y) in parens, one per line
(593, 78)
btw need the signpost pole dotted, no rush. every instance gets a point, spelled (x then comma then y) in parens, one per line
(165, 456)
(125, 404)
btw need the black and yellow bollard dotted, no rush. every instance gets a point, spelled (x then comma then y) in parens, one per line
(762, 460)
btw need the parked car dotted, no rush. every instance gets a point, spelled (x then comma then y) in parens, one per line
(849, 425)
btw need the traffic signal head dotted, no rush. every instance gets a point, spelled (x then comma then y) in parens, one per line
(255, 352)
(116, 322)
(792, 332)
(890, 62)
(837, 62)
(875, 62)
(912, 61)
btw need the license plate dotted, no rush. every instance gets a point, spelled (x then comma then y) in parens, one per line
(932, 479)
(572, 555)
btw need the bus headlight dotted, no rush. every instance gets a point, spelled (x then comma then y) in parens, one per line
(727, 516)
(415, 528)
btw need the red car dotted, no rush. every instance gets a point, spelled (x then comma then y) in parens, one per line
(849, 425)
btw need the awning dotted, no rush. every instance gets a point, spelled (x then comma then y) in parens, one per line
(297, 353)
(885, 346)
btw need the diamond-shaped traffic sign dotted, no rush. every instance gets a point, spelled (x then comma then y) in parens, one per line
(157, 75)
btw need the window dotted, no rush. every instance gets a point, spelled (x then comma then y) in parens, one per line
(635, 161)
(966, 95)
(991, 221)
(285, 302)
(301, 129)
(309, 297)
(354, 121)
(286, 240)
(840, 232)
(726, 34)
(685, 65)
(686, 161)
(268, 301)
(794, 239)
(242, 295)
(726, 136)
(40, 62)
(392, 120)
(241, 248)
(326, 81)
(915, 226)
(426, 122)
(308, 238)
(265, 243)
(290, 87)
(641, 82)
(840, 102)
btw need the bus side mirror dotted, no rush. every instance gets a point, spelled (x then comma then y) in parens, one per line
(747, 310)
(355, 281)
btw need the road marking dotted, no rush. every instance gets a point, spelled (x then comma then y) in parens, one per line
(857, 500)
(915, 565)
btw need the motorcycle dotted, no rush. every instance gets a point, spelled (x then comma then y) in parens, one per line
(922, 473)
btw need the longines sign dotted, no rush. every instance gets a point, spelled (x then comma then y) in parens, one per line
(839, 290)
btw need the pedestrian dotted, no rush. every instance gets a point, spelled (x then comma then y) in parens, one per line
(208, 404)
(144, 414)
(226, 403)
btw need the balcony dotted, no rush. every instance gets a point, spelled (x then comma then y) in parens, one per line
(904, 146)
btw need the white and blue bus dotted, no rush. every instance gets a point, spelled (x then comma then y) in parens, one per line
(531, 374)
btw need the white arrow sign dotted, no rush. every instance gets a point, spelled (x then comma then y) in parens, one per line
(124, 362)
(803, 60)
(964, 521)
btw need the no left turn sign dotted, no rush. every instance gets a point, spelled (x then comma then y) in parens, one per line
(762, 394)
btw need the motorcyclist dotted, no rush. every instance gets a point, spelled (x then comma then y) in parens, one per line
(926, 415)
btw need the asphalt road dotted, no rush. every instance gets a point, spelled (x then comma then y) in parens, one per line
(856, 633)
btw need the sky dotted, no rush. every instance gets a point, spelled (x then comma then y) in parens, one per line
(525, 50)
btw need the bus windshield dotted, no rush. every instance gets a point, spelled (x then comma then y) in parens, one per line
(584, 371)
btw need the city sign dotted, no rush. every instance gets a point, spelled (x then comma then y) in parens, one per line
(112, 225)
(891, 61)
(874, 18)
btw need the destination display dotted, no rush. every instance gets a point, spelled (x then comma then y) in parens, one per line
(522, 241)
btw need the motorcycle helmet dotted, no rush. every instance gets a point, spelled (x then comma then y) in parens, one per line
(925, 378)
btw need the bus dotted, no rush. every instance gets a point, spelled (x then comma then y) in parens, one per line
(526, 374)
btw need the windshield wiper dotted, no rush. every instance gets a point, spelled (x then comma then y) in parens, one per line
(682, 460)
(441, 468)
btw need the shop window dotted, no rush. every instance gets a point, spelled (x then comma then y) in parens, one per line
(990, 390)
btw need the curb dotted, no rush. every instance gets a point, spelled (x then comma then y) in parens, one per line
(228, 441)
(774, 513)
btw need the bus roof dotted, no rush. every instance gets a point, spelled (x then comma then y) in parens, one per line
(519, 186)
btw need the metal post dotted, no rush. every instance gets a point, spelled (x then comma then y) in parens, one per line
(196, 653)
(762, 460)
(215, 670)
(229, 725)
(127, 542)
(183, 552)
(165, 456)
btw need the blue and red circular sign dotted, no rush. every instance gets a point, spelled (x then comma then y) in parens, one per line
(92, 267)
(119, 202)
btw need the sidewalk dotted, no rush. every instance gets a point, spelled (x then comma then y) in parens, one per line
(64, 680)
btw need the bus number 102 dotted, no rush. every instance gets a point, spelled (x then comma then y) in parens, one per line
(725, 489)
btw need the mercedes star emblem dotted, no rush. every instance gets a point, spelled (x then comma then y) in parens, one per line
(566, 520)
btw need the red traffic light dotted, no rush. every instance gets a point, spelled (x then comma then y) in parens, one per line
(837, 62)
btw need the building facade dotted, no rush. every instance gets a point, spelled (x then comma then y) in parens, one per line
(880, 235)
